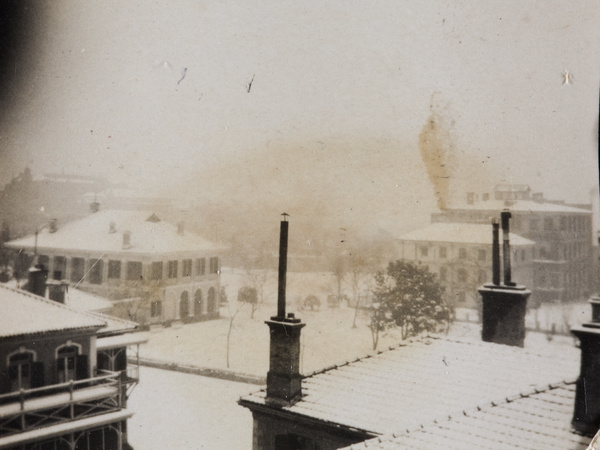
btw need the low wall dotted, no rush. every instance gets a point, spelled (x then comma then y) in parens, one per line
(222, 374)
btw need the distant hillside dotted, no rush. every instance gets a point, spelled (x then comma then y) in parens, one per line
(331, 188)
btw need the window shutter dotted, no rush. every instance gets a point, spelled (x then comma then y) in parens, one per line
(82, 367)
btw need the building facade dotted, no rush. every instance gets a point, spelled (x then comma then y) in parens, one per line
(153, 271)
(461, 255)
(64, 377)
(562, 258)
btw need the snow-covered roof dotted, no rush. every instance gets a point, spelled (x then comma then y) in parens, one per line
(406, 386)
(518, 205)
(114, 325)
(148, 235)
(540, 418)
(84, 301)
(122, 340)
(24, 314)
(463, 233)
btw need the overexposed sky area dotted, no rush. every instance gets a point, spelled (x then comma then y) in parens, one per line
(158, 92)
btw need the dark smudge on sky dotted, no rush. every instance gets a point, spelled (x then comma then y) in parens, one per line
(19, 22)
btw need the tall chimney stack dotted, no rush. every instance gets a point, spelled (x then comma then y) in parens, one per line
(284, 382)
(586, 416)
(503, 305)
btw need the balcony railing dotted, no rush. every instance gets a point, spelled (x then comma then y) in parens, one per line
(39, 407)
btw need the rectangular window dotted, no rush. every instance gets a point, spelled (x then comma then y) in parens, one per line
(563, 223)
(200, 266)
(461, 296)
(214, 265)
(44, 260)
(424, 251)
(482, 276)
(77, 269)
(548, 224)
(481, 254)
(443, 252)
(95, 272)
(187, 267)
(114, 268)
(156, 308)
(60, 267)
(134, 270)
(443, 274)
(462, 253)
(157, 270)
(172, 267)
(534, 225)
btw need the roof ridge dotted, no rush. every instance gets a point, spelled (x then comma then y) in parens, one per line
(372, 354)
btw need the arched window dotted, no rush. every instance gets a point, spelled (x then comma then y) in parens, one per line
(70, 364)
(24, 371)
(198, 303)
(212, 300)
(184, 305)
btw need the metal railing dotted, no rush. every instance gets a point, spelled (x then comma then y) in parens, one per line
(38, 407)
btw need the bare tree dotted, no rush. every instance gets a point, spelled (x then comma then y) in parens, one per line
(359, 278)
(232, 315)
(257, 279)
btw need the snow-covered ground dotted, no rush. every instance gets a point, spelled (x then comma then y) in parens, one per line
(328, 338)
(180, 411)
(175, 410)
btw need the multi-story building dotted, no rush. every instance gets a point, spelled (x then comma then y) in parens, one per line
(64, 376)
(562, 235)
(152, 270)
(461, 255)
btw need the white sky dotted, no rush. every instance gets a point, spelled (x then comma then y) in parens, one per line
(104, 94)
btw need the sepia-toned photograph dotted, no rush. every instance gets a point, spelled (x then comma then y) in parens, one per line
(316, 225)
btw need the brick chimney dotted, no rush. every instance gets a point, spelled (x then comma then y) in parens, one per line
(284, 381)
(57, 290)
(503, 305)
(36, 283)
(586, 416)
